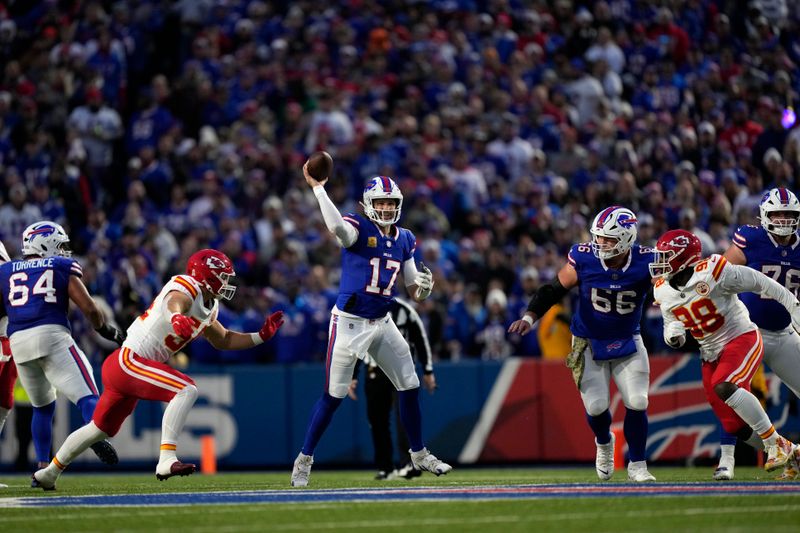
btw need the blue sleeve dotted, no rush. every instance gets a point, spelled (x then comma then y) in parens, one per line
(411, 246)
(574, 257)
(746, 239)
(360, 223)
(75, 268)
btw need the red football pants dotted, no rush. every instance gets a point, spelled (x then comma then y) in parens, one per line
(8, 376)
(128, 378)
(736, 364)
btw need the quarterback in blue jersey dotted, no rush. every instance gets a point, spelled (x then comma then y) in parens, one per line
(773, 248)
(613, 277)
(36, 292)
(374, 252)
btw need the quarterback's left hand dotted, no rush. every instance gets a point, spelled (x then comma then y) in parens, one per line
(424, 282)
(271, 325)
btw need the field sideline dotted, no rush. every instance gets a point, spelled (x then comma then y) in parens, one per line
(540, 498)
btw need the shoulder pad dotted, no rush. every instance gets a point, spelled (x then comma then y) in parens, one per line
(582, 248)
(75, 268)
(353, 219)
(186, 285)
(578, 252)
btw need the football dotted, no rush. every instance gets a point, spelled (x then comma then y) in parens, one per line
(320, 165)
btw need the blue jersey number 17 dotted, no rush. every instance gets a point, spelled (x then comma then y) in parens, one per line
(391, 265)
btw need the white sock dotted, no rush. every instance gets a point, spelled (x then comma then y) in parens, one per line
(77, 442)
(727, 453)
(174, 419)
(749, 409)
(3, 415)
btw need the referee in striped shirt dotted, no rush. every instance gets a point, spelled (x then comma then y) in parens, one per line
(381, 394)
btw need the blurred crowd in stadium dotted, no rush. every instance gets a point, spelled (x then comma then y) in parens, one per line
(153, 128)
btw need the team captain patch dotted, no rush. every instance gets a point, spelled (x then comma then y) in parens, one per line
(372, 242)
(702, 288)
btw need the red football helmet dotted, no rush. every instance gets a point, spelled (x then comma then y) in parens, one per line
(213, 270)
(676, 250)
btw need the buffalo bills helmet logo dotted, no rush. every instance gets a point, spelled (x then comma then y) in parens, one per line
(43, 230)
(626, 221)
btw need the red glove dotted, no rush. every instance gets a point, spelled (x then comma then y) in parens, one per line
(182, 325)
(5, 349)
(271, 325)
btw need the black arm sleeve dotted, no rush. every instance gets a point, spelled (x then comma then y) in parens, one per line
(419, 340)
(546, 297)
(357, 368)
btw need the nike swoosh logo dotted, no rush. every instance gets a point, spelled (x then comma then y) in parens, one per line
(604, 472)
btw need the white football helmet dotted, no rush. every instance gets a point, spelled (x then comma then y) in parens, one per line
(380, 188)
(45, 239)
(779, 200)
(613, 222)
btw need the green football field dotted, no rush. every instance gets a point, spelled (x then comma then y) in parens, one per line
(547, 499)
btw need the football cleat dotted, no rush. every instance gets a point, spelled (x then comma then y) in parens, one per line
(176, 468)
(408, 472)
(604, 460)
(3, 486)
(638, 472)
(425, 460)
(105, 452)
(302, 470)
(778, 454)
(723, 473)
(792, 468)
(41, 484)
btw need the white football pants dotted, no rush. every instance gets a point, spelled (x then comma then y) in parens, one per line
(351, 338)
(782, 355)
(50, 361)
(631, 374)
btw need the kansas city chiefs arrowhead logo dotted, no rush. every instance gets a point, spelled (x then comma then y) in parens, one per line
(681, 241)
(215, 263)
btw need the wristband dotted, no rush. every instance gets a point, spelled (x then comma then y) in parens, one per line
(256, 337)
(528, 319)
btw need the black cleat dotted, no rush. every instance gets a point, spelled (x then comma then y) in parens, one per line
(105, 452)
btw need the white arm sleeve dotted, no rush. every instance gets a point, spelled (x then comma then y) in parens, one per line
(409, 272)
(345, 233)
(737, 279)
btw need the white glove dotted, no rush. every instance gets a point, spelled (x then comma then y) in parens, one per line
(424, 282)
(675, 334)
(795, 313)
